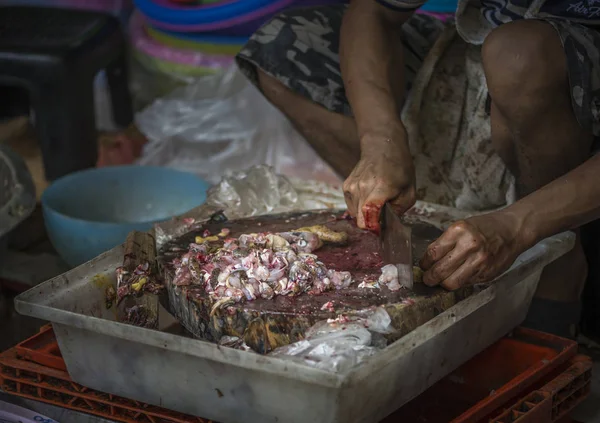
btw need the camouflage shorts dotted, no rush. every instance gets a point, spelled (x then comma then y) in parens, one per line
(300, 48)
(582, 48)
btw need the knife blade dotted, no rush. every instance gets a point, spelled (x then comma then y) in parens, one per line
(396, 245)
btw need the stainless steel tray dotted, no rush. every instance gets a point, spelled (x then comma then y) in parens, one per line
(228, 385)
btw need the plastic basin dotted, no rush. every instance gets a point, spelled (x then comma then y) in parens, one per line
(92, 211)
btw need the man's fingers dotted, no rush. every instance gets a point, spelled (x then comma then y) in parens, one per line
(401, 203)
(466, 274)
(437, 249)
(360, 219)
(371, 201)
(371, 213)
(360, 208)
(366, 198)
(349, 198)
(445, 267)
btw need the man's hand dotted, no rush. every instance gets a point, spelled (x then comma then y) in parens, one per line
(384, 173)
(372, 63)
(475, 250)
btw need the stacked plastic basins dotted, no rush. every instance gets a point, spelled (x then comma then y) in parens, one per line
(195, 38)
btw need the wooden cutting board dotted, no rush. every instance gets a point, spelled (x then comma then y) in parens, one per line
(267, 324)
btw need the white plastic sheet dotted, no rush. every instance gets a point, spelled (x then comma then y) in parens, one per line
(252, 192)
(221, 124)
(342, 343)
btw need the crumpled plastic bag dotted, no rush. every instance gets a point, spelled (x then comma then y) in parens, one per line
(220, 124)
(259, 190)
(338, 352)
(17, 192)
(255, 191)
(340, 344)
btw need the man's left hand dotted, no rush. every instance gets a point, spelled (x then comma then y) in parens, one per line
(475, 250)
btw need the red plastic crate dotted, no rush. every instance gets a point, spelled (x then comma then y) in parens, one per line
(529, 377)
(43, 349)
(34, 369)
(494, 379)
(556, 399)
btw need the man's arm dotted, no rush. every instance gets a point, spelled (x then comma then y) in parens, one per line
(566, 203)
(372, 65)
(372, 68)
(480, 248)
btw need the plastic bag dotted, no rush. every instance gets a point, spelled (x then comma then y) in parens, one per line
(338, 352)
(340, 344)
(255, 191)
(221, 124)
(17, 195)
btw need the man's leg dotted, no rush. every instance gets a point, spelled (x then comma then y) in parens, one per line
(332, 135)
(294, 61)
(535, 131)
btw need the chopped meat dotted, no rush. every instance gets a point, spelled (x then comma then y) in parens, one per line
(369, 284)
(328, 306)
(140, 315)
(340, 319)
(136, 282)
(389, 277)
(262, 265)
(326, 234)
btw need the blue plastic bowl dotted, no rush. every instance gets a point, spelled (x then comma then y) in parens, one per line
(92, 211)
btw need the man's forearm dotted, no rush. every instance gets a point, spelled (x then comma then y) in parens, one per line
(566, 203)
(372, 67)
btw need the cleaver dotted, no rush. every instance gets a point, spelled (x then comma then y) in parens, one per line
(396, 245)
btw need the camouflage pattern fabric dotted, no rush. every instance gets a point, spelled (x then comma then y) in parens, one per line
(582, 48)
(300, 48)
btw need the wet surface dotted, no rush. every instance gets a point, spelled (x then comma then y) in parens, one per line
(360, 256)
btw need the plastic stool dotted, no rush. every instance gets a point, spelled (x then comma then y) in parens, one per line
(55, 54)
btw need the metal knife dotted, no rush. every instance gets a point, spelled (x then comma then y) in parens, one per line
(396, 245)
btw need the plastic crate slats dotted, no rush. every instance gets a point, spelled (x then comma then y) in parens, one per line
(37, 382)
(35, 369)
(554, 400)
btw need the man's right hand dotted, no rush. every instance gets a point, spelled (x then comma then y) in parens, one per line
(372, 62)
(385, 173)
